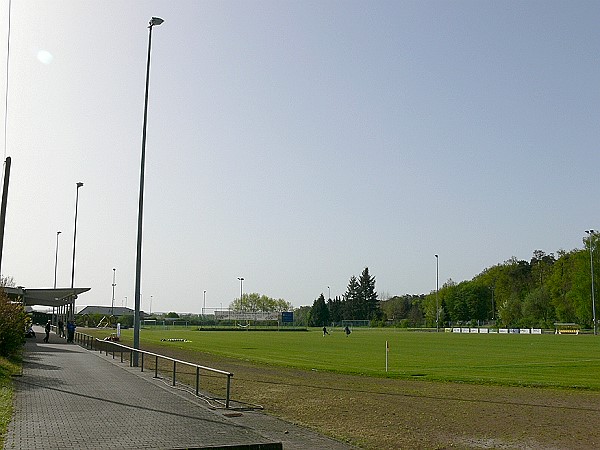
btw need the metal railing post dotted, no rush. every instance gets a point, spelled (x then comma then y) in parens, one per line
(156, 367)
(228, 391)
(174, 371)
(197, 380)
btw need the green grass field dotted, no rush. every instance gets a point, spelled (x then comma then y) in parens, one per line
(564, 361)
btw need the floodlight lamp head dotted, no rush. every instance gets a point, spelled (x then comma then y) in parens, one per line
(79, 184)
(155, 21)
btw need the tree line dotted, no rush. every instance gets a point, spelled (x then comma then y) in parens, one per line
(517, 293)
(360, 302)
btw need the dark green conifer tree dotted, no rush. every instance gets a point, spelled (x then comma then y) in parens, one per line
(369, 304)
(351, 300)
(319, 313)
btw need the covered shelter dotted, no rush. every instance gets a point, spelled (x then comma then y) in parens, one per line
(117, 311)
(62, 300)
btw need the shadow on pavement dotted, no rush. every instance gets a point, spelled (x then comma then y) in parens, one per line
(26, 385)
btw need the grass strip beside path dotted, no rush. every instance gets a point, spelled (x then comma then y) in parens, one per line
(7, 370)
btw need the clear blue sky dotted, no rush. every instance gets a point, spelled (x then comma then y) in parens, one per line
(293, 143)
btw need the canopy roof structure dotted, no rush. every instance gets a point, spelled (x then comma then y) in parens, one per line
(44, 297)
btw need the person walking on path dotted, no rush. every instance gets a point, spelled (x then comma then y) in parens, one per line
(70, 331)
(61, 328)
(47, 330)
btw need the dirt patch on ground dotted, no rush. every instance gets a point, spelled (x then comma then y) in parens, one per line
(382, 413)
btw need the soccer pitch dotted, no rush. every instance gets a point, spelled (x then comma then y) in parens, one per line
(547, 360)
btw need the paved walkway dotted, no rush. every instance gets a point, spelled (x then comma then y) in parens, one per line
(70, 397)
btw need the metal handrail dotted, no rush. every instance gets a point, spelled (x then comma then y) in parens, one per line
(100, 345)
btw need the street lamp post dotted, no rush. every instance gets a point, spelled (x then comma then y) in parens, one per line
(204, 303)
(591, 234)
(241, 293)
(54, 310)
(493, 307)
(71, 312)
(112, 305)
(79, 184)
(138, 265)
(56, 258)
(437, 289)
(329, 290)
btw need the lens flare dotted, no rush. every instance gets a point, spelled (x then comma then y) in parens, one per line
(45, 57)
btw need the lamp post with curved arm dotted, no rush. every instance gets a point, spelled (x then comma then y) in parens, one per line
(71, 306)
(437, 289)
(591, 234)
(112, 304)
(242, 293)
(138, 265)
(79, 184)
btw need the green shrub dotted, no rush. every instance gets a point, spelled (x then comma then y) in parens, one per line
(12, 326)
